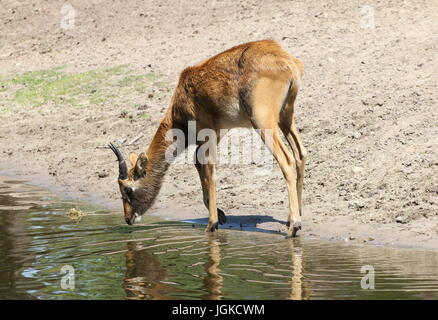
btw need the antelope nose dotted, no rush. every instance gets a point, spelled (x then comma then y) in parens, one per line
(128, 221)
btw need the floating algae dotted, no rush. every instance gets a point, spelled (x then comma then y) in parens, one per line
(75, 214)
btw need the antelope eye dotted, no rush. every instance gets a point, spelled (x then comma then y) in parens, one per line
(128, 191)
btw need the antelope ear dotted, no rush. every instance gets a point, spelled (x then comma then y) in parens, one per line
(133, 158)
(140, 165)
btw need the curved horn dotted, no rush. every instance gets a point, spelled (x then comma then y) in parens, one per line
(123, 169)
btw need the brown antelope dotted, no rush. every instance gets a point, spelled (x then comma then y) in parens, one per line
(251, 85)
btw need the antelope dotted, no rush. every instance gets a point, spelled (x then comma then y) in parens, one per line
(250, 85)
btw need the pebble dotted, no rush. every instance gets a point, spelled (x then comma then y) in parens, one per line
(357, 135)
(357, 169)
(400, 219)
(356, 204)
(102, 174)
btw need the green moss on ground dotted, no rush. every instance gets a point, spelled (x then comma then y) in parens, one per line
(57, 87)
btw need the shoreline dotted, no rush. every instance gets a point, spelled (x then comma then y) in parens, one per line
(334, 229)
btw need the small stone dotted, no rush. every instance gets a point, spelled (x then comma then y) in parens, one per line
(357, 169)
(356, 135)
(400, 219)
(102, 174)
(356, 204)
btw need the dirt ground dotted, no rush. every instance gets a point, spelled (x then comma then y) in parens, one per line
(367, 108)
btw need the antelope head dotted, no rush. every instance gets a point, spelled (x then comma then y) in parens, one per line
(132, 185)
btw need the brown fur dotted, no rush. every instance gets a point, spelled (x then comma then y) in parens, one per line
(250, 85)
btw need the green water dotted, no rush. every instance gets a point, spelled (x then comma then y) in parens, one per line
(170, 260)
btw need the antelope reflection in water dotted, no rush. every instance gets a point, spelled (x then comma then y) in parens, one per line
(299, 290)
(213, 281)
(144, 274)
(146, 278)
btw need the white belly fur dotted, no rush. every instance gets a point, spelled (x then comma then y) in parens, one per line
(233, 116)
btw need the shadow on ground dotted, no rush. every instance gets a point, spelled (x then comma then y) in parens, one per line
(243, 222)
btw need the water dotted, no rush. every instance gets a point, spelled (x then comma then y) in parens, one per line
(169, 260)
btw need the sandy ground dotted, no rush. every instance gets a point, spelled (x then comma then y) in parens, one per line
(367, 109)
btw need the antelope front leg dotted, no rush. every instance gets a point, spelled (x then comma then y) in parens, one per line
(210, 188)
(206, 169)
(206, 192)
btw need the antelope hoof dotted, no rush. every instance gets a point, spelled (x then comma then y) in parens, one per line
(292, 233)
(211, 227)
(221, 216)
(288, 221)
